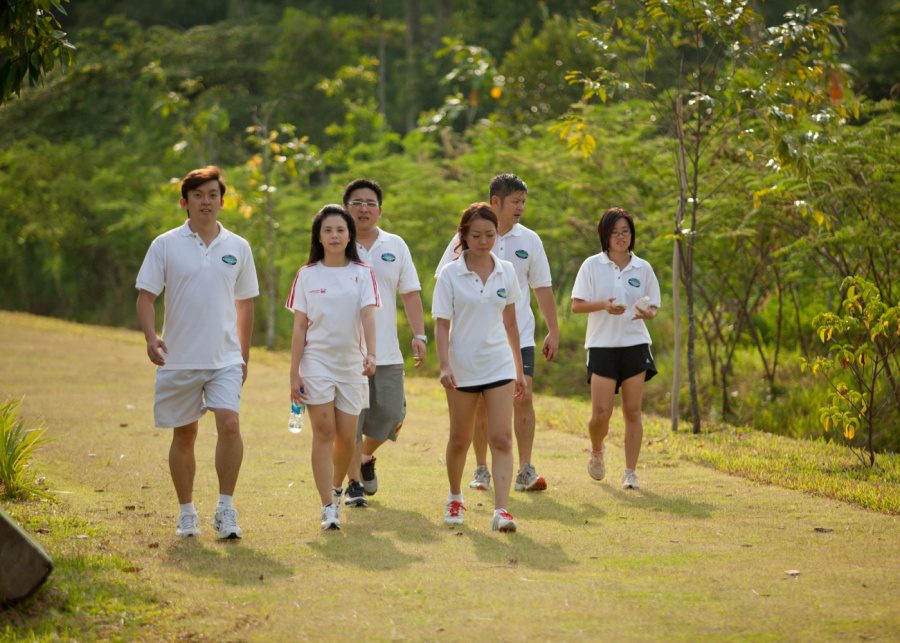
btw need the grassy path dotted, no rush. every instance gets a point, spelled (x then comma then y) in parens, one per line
(695, 553)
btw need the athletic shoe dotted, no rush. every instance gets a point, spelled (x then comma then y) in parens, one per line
(528, 480)
(596, 466)
(336, 500)
(356, 495)
(482, 478)
(188, 525)
(331, 518)
(225, 523)
(629, 479)
(369, 479)
(503, 521)
(453, 515)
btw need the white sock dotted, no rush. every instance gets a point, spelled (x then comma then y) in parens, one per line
(500, 509)
(224, 501)
(454, 497)
(187, 508)
(629, 470)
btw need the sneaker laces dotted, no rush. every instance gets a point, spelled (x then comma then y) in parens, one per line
(187, 521)
(503, 513)
(228, 518)
(454, 507)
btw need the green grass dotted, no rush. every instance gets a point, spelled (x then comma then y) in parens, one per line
(695, 554)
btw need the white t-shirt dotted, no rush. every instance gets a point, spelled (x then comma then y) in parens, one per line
(332, 299)
(479, 349)
(201, 284)
(600, 278)
(525, 251)
(395, 273)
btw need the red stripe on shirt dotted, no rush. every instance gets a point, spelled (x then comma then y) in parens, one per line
(374, 282)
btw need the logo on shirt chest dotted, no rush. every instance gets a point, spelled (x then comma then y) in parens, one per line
(502, 293)
(387, 256)
(231, 260)
(634, 282)
(317, 291)
(522, 254)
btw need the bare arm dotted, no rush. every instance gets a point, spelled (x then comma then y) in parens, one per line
(512, 336)
(146, 315)
(442, 341)
(583, 306)
(244, 309)
(547, 305)
(412, 306)
(298, 342)
(367, 316)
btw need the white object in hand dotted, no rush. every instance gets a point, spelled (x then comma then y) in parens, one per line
(642, 304)
(295, 423)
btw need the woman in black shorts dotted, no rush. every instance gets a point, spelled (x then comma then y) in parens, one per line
(619, 291)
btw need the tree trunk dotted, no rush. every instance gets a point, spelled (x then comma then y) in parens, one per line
(271, 276)
(382, 62)
(413, 49)
(676, 265)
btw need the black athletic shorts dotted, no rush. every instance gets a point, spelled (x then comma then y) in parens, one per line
(621, 363)
(528, 360)
(479, 388)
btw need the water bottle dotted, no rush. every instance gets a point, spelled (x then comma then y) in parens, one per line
(642, 304)
(295, 423)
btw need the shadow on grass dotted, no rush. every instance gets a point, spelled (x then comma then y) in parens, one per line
(230, 561)
(643, 499)
(518, 549)
(541, 506)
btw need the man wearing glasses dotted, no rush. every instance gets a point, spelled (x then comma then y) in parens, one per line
(389, 257)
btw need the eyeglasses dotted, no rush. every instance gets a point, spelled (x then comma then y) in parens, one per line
(624, 234)
(356, 203)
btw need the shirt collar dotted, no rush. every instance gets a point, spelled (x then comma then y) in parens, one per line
(462, 268)
(186, 231)
(632, 262)
(379, 238)
(514, 231)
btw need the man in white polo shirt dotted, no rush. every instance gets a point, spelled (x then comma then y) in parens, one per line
(525, 251)
(210, 281)
(389, 257)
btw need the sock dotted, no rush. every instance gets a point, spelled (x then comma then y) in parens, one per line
(499, 510)
(454, 496)
(224, 501)
(629, 470)
(187, 508)
(365, 459)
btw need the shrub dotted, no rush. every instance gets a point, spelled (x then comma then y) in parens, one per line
(17, 446)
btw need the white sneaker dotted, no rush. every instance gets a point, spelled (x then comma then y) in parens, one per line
(336, 495)
(503, 521)
(454, 512)
(188, 525)
(596, 465)
(225, 524)
(481, 480)
(331, 518)
(528, 480)
(629, 479)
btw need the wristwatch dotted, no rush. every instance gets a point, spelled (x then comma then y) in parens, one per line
(423, 338)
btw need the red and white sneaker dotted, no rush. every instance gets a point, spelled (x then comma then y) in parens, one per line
(528, 480)
(503, 521)
(454, 513)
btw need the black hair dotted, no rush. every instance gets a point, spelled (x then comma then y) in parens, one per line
(316, 249)
(608, 222)
(358, 184)
(480, 210)
(503, 185)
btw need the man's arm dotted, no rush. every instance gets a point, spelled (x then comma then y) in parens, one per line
(146, 315)
(547, 305)
(244, 309)
(412, 305)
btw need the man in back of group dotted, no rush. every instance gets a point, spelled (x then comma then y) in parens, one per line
(389, 257)
(209, 278)
(523, 248)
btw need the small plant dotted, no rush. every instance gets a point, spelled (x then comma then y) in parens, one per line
(17, 446)
(863, 340)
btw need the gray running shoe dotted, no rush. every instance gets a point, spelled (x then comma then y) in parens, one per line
(188, 525)
(629, 479)
(596, 465)
(481, 480)
(528, 480)
(331, 518)
(225, 524)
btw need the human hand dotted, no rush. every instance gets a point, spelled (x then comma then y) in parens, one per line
(155, 348)
(521, 387)
(418, 347)
(614, 309)
(243, 372)
(551, 346)
(369, 365)
(447, 379)
(298, 391)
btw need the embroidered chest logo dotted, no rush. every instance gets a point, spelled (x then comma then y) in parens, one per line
(387, 256)
(634, 282)
(317, 291)
(522, 254)
(502, 293)
(229, 259)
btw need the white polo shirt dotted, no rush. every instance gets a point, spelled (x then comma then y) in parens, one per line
(395, 273)
(525, 251)
(600, 278)
(201, 284)
(332, 299)
(479, 349)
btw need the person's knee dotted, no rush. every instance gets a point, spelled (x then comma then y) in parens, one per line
(184, 437)
(228, 426)
(601, 413)
(501, 441)
(632, 413)
(459, 442)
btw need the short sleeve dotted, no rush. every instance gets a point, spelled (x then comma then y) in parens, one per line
(584, 284)
(368, 292)
(247, 285)
(152, 275)
(409, 278)
(513, 290)
(297, 297)
(539, 267)
(652, 290)
(442, 299)
(449, 255)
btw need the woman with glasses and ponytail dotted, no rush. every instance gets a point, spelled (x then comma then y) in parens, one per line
(619, 292)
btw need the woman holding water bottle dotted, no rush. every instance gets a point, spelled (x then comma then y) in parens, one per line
(333, 299)
(619, 292)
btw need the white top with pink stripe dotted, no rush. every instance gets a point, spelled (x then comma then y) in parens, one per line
(332, 299)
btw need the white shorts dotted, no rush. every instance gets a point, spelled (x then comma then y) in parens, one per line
(349, 397)
(184, 395)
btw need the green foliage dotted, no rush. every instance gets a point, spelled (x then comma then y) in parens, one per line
(31, 43)
(17, 446)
